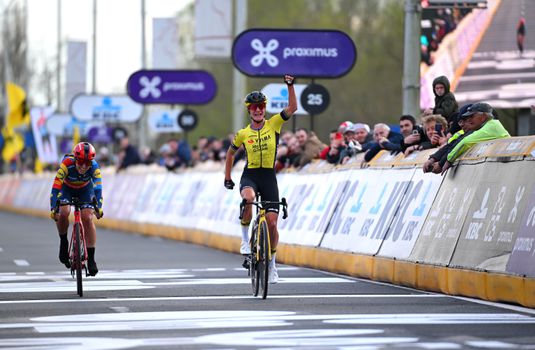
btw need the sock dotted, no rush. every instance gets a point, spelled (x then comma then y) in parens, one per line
(91, 254)
(273, 255)
(63, 240)
(245, 232)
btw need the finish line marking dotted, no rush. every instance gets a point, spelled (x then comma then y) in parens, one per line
(217, 297)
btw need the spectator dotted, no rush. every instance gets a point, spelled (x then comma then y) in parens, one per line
(180, 154)
(413, 134)
(311, 146)
(435, 127)
(352, 145)
(336, 148)
(128, 154)
(385, 139)
(325, 151)
(363, 135)
(437, 160)
(480, 121)
(343, 126)
(445, 103)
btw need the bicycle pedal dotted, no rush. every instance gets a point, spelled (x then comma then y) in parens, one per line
(246, 263)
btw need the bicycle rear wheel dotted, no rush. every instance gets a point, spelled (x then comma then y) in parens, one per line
(264, 258)
(253, 263)
(78, 248)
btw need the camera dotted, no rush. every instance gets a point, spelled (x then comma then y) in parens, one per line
(438, 128)
(353, 147)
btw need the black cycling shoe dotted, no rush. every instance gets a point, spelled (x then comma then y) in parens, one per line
(64, 254)
(245, 263)
(92, 267)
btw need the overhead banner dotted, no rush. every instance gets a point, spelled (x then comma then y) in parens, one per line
(76, 71)
(194, 87)
(304, 53)
(440, 232)
(213, 28)
(494, 216)
(277, 97)
(164, 43)
(45, 142)
(106, 108)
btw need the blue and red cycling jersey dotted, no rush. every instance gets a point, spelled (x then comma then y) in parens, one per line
(69, 181)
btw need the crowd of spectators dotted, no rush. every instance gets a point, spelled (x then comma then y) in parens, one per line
(436, 24)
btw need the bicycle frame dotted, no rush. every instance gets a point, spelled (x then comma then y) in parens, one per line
(260, 256)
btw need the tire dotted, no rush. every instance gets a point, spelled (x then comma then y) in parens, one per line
(264, 258)
(78, 248)
(253, 263)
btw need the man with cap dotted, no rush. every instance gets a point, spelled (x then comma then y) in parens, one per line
(480, 122)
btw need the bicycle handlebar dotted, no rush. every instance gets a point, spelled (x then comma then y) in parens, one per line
(74, 201)
(262, 204)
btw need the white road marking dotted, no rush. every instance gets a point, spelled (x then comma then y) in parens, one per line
(65, 286)
(224, 297)
(226, 281)
(183, 320)
(485, 77)
(21, 262)
(1, 249)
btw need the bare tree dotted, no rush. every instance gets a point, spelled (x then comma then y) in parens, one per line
(14, 49)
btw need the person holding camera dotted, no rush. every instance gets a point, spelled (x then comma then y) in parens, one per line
(435, 127)
(413, 134)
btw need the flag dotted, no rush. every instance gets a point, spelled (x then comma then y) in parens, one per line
(13, 144)
(17, 113)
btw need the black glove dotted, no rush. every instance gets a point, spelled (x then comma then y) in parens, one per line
(289, 80)
(229, 184)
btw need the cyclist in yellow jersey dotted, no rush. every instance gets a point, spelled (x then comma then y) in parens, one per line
(260, 140)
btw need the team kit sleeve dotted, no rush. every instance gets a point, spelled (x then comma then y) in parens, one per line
(58, 183)
(237, 141)
(277, 120)
(97, 183)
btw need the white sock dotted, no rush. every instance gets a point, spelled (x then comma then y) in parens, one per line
(273, 259)
(245, 233)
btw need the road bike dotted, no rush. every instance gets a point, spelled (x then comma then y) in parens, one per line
(77, 246)
(258, 261)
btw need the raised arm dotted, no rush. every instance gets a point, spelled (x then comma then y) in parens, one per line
(292, 99)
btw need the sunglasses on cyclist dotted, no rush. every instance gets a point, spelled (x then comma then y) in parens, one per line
(83, 162)
(255, 106)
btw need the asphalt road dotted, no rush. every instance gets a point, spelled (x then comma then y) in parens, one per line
(152, 293)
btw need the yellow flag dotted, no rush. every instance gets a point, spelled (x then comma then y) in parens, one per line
(17, 114)
(75, 135)
(13, 144)
(38, 166)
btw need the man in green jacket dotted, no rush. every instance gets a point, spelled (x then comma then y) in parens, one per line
(478, 119)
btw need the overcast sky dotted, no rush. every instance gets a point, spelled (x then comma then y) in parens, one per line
(118, 34)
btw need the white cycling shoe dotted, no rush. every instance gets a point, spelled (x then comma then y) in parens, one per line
(245, 248)
(273, 276)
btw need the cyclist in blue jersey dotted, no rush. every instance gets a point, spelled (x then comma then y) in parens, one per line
(79, 176)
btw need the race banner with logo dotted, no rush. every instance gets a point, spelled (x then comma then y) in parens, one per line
(440, 232)
(45, 142)
(410, 217)
(164, 121)
(305, 53)
(493, 220)
(522, 259)
(277, 97)
(366, 209)
(194, 87)
(105, 108)
(314, 198)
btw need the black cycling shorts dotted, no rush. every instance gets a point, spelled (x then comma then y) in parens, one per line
(263, 181)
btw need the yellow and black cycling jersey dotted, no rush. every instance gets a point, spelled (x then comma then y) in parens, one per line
(261, 145)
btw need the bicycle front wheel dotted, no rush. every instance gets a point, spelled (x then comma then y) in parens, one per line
(264, 258)
(253, 263)
(78, 247)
